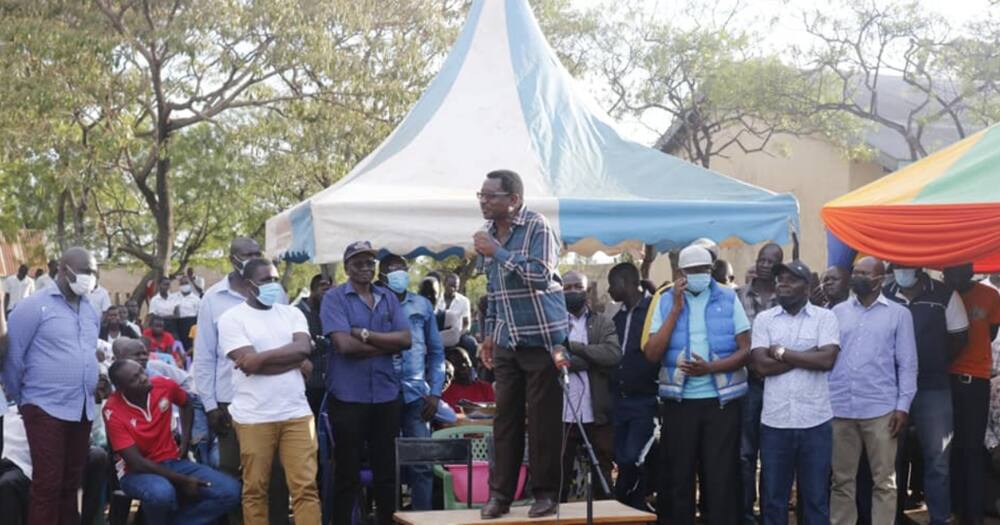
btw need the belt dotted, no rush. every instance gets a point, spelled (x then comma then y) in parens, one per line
(967, 379)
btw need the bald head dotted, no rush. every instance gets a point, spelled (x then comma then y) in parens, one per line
(575, 279)
(241, 250)
(871, 265)
(133, 349)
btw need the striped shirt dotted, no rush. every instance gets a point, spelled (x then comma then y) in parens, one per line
(525, 297)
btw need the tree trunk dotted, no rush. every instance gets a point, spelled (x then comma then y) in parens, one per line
(648, 256)
(61, 221)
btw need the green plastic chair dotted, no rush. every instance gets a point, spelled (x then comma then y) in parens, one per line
(479, 435)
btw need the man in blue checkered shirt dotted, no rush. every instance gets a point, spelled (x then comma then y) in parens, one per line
(526, 324)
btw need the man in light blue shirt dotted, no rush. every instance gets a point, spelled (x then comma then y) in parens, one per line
(51, 373)
(700, 336)
(420, 369)
(871, 388)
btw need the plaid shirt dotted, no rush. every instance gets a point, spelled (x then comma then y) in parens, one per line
(525, 297)
(753, 304)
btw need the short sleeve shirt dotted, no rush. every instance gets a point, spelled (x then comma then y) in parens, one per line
(799, 398)
(162, 307)
(262, 398)
(982, 304)
(367, 379)
(146, 428)
(700, 387)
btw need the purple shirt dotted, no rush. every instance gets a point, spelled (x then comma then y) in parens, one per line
(361, 379)
(51, 362)
(876, 370)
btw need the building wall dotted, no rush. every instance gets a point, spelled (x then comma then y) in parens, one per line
(812, 170)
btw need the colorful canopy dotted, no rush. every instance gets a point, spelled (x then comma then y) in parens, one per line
(503, 100)
(940, 211)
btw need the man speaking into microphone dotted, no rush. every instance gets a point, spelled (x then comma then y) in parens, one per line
(526, 326)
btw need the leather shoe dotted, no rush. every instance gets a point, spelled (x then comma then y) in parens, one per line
(494, 508)
(543, 507)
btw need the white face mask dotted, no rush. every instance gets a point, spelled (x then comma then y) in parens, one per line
(84, 283)
(185, 288)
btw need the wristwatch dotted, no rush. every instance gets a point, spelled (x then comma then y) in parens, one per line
(364, 335)
(779, 354)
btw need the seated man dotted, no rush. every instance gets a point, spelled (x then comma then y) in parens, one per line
(465, 385)
(172, 490)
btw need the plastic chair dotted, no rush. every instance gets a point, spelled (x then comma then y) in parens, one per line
(432, 451)
(480, 437)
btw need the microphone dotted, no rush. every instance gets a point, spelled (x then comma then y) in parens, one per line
(563, 365)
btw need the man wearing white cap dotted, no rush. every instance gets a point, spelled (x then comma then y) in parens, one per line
(700, 336)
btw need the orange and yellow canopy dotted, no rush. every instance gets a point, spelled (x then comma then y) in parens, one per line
(940, 211)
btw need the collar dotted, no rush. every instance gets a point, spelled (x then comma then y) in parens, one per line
(146, 412)
(222, 287)
(582, 317)
(519, 219)
(808, 310)
(881, 299)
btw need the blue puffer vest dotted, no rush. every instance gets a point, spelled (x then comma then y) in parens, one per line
(721, 344)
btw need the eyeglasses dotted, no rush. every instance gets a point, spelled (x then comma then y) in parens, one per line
(490, 196)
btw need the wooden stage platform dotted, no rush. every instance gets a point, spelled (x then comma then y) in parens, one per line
(607, 511)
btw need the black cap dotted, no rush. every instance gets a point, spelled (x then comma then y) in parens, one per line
(358, 247)
(796, 268)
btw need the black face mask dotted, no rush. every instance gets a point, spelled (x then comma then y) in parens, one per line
(575, 300)
(792, 303)
(862, 286)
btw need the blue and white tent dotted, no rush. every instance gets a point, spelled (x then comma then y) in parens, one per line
(502, 100)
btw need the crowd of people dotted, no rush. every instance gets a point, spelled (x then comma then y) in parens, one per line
(846, 396)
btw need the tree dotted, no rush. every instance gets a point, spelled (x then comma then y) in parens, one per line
(190, 109)
(952, 79)
(707, 82)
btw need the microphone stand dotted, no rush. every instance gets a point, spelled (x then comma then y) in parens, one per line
(591, 456)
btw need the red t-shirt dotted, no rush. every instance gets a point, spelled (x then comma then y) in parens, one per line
(477, 392)
(149, 429)
(164, 344)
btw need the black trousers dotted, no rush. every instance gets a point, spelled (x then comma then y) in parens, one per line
(699, 435)
(971, 406)
(14, 488)
(527, 384)
(357, 428)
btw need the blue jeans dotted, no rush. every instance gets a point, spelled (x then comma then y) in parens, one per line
(162, 505)
(753, 403)
(931, 415)
(633, 426)
(796, 453)
(202, 438)
(420, 478)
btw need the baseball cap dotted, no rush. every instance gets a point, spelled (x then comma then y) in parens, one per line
(358, 247)
(796, 268)
(694, 256)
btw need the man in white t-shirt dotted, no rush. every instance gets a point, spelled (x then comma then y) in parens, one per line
(270, 344)
(47, 279)
(17, 287)
(163, 304)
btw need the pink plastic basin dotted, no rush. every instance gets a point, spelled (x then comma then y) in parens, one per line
(480, 481)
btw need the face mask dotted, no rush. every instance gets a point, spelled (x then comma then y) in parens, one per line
(185, 288)
(862, 286)
(398, 281)
(905, 277)
(575, 300)
(83, 283)
(698, 282)
(269, 293)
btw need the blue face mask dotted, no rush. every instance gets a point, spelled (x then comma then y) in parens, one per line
(398, 281)
(269, 293)
(698, 282)
(905, 277)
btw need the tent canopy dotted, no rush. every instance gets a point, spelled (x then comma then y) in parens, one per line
(502, 100)
(940, 211)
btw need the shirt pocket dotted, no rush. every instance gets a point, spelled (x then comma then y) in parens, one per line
(805, 342)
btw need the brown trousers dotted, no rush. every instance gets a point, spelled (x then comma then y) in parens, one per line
(527, 383)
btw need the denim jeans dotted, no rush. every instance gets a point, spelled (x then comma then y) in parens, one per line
(634, 422)
(420, 478)
(753, 403)
(202, 438)
(800, 453)
(931, 414)
(161, 503)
